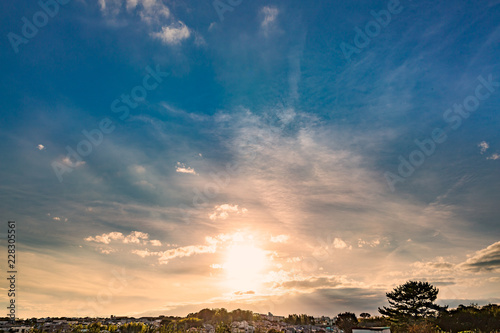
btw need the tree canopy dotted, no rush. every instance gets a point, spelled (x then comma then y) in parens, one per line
(411, 301)
(346, 321)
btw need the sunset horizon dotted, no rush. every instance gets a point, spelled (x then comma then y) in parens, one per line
(160, 157)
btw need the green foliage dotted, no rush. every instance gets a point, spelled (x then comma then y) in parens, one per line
(223, 328)
(346, 321)
(134, 328)
(222, 315)
(365, 315)
(411, 301)
(374, 322)
(187, 323)
(301, 319)
(470, 318)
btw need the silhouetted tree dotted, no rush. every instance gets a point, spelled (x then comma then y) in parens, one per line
(411, 301)
(365, 315)
(471, 317)
(346, 321)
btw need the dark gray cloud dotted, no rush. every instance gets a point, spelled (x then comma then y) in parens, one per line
(487, 259)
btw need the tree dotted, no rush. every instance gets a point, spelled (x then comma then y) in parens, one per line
(346, 321)
(411, 301)
(365, 315)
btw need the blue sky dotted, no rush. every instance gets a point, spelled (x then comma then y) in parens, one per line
(262, 163)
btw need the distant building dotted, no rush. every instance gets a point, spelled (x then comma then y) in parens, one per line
(371, 330)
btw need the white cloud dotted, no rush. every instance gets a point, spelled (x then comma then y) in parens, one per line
(181, 168)
(40, 147)
(105, 238)
(106, 251)
(222, 211)
(173, 34)
(55, 218)
(185, 251)
(153, 11)
(494, 156)
(150, 11)
(136, 237)
(373, 243)
(144, 253)
(280, 238)
(72, 164)
(484, 146)
(340, 244)
(270, 14)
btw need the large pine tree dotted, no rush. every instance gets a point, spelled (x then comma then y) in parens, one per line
(411, 301)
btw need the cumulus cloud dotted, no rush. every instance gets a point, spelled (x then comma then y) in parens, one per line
(155, 242)
(340, 244)
(222, 211)
(181, 168)
(105, 238)
(135, 237)
(173, 34)
(494, 156)
(483, 146)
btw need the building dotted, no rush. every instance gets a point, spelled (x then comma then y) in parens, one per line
(371, 330)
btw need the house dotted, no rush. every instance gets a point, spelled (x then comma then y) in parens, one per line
(371, 330)
(19, 329)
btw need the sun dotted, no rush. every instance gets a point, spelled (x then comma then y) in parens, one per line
(244, 267)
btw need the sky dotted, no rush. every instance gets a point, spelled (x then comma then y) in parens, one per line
(164, 156)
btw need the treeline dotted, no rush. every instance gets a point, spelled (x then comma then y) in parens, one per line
(214, 316)
(468, 318)
(302, 319)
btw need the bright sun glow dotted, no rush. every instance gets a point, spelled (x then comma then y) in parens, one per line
(244, 265)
